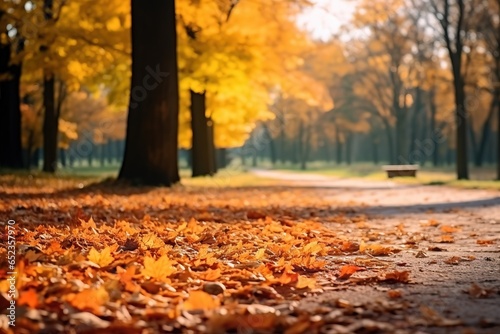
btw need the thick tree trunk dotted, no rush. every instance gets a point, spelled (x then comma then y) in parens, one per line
(151, 149)
(11, 154)
(202, 159)
(50, 125)
(212, 151)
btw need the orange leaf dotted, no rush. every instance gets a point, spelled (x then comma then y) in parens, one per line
(160, 269)
(447, 239)
(305, 282)
(347, 270)
(29, 298)
(312, 248)
(485, 242)
(288, 277)
(449, 229)
(398, 276)
(90, 300)
(394, 294)
(211, 275)
(199, 300)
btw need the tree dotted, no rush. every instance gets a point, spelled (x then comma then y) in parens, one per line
(452, 17)
(152, 125)
(10, 112)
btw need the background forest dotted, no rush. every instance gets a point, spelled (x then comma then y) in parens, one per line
(402, 81)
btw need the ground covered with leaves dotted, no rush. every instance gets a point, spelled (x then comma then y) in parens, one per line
(108, 258)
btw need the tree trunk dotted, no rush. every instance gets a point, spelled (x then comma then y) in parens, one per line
(414, 120)
(151, 149)
(50, 125)
(62, 154)
(11, 154)
(338, 146)
(221, 158)
(498, 143)
(348, 148)
(201, 150)
(486, 131)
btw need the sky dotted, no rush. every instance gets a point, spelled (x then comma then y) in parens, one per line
(326, 17)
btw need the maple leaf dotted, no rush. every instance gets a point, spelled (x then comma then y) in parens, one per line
(305, 282)
(260, 253)
(89, 300)
(347, 270)
(159, 269)
(288, 277)
(29, 298)
(397, 276)
(90, 224)
(211, 274)
(313, 248)
(102, 258)
(199, 300)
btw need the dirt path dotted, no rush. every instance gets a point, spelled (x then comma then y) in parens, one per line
(449, 240)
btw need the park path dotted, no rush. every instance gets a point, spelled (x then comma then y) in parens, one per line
(442, 280)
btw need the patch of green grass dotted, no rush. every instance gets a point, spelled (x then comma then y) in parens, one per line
(481, 178)
(227, 178)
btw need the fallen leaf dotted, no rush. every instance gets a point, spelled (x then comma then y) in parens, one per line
(394, 294)
(102, 258)
(485, 242)
(347, 270)
(305, 282)
(199, 300)
(397, 276)
(159, 269)
(28, 298)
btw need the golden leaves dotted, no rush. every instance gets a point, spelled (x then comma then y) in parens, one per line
(159, 269)
(102, 258)
(89, 299)
(199, 300)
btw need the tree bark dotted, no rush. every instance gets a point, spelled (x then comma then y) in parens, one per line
(486, 131)
(151, 149)
(11, 154)
(50, 124)
(201, 150)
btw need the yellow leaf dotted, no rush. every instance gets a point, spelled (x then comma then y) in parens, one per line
(102, 258)
(199, 300)
(89, 300)
(305, 282)
(211, 275)
(160, 269)
(312, 248)
(260, 254)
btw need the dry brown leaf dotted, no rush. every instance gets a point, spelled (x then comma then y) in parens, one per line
(397, 276)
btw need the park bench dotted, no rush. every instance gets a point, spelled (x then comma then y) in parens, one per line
(400, 170)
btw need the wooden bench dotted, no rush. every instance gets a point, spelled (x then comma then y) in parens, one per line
(400, 170)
